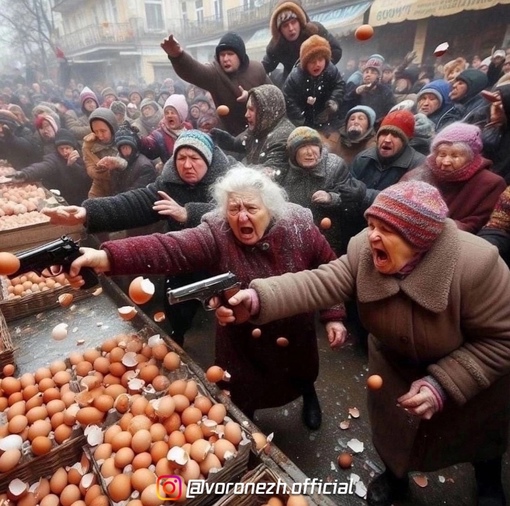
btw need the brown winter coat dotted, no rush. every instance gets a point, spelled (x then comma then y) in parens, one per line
(450, 317)
(263, 374)
(223, 87)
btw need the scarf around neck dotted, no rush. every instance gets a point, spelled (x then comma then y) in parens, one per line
(462, 174)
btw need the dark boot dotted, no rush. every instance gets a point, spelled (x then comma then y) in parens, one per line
(386, 488)
(488, 483)
(312, 416)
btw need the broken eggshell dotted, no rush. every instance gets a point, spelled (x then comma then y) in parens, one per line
(59, 331)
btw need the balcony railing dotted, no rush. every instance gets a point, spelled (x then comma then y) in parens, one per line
(196, 30)
(94, 35)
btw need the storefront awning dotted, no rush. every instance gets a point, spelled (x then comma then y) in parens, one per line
(343, 20)
(383, 12)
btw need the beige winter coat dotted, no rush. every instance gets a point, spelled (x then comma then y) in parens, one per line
(450, 317)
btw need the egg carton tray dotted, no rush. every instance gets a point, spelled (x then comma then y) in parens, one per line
(6, 346)
(258, 480)
(32, 469)
(20, 307)
(232, 470)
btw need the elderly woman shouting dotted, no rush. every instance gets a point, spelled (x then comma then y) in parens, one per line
(436, 301)
(253, 232)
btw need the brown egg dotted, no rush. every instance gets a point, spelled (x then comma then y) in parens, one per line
(191, 415)
(120, 488)
(102, 365)
(256, 333)
(200, 449)
(123, 457)
(58, 481)
(157, 432)
(141, 290)
(41, 445)
(9, 264)
(9, 460)
(8, 369)
(150, 496)
(142, 461)
(159, 351)
(203, 403)
(282, 341)
(89, 415)
(69, 495)
(217, 413)
(103, 402)
(222, 110)
(39, 428)
(171, 361)
(148, 372)
(17, 424)
(159, 316)
(27, 379)
(297, 500)
(29, 391)
(103, 451)
(210, 462)
(158, 451)
(141, 441)
(62, 433)
(345, 460)
(142, 478)
(222, 448)
(121, 440)
(50, 500)
(274, 501)
(15, 397)
(177, 387)
(192, 432)
(177, 438)
(11, 385)
(83, 368)
(18, 408)
(173, 422)
(374, 382)
(233, 432)
(325, 223)
(214, 374)
(191, 390)
(109, 469)
(139, 405)
(65, 299)
(181, 402)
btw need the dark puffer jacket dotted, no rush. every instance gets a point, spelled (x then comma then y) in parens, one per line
(300, 85)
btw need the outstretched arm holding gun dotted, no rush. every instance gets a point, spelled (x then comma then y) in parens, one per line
(59, 253)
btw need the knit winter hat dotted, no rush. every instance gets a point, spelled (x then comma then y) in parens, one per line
(65, 138)
(41, 118)
(285, 16)
(439, 88)
(87, 93)
(178, 102)
(400, 123)
(126, 135)
(294, 6)
(118, 107)
(312, 48)
(233, 42)
(367, 111)
(152, 103)
(108, 91)
(470, 135)
(423, 127)
(476, 81)
(500, 216)
(9, 119)
(302, 136)
(197, 140)
(374, 63)
(414, 209)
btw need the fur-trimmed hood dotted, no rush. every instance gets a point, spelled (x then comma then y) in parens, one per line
(287, 5)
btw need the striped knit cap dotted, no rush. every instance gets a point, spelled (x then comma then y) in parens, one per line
(197, 140)
(414, 209)
(302, 136)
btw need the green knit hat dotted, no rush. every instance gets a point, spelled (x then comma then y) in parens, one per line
(302, 136)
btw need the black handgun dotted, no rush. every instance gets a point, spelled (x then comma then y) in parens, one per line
(60, 252)
(223, 286)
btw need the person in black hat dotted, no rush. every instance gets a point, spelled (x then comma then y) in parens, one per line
(62, 170)
(228, 78)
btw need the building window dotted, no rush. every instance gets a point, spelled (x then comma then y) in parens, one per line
(154, 15)
(199, 7)
(217, 9)
(184, 11)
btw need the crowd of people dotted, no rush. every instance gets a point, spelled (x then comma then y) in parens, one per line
(286, 179)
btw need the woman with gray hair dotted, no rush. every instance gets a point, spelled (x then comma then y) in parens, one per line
(254, 232)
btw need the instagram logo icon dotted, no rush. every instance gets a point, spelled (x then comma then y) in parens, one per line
(169, 487)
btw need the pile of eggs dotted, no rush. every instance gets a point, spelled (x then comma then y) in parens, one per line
(30, 283)
(6, 170)
(67, 486)
(35, 409)
(19, 204)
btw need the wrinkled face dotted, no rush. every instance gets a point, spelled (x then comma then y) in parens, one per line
(229, 61)
(190, 166)
(290, 29)
(370, 76)
(251, 114)
(428, 103)
(316, 66)
(47, 131)
(390, 251)
(102, 131)
(452, 157)
(459, 90)
(247, 216)
(172, 118)
(64, 151)
(89, 105)
(357, 124)
(389, 144)
(308, 156)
